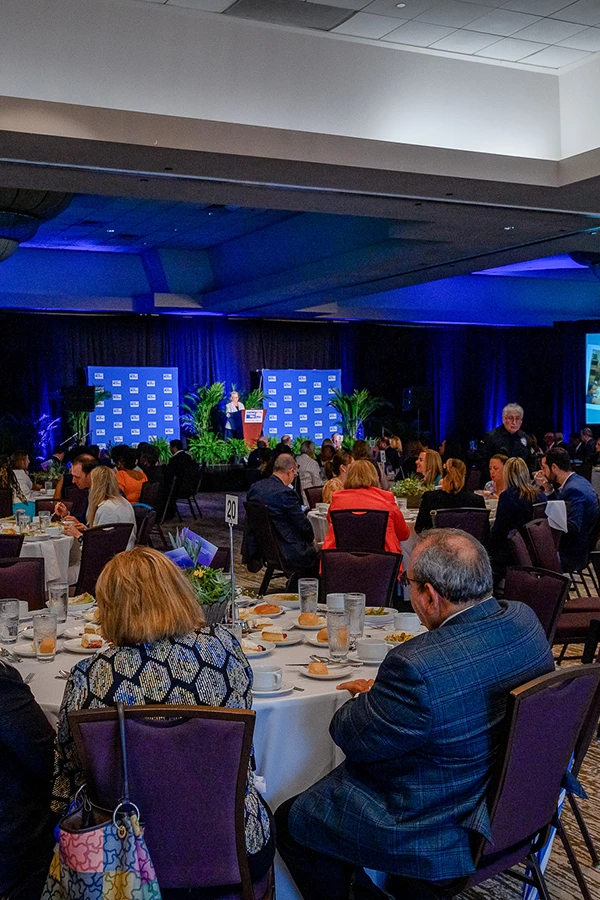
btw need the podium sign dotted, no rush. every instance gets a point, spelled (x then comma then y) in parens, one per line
(252, 422)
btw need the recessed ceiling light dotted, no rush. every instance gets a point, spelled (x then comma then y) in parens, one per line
(509, 227)
(400, 5)
(110, 230)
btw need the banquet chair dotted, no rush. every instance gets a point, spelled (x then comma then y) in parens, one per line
(259, 527)
(24, 579)
(544, 724)
(187, 490)
(541, 545)
(47, 504)
(539, 509)
(519, 549)
(313, 495)
(6, 503)
(98, 546)
(221, 559)
(10, 545)
(474, 521)
(149, 493)
(473, 479)
(359, 530)
(544, 591)
(193, 808)
(163, 508)
(373, 574)
(145, 520)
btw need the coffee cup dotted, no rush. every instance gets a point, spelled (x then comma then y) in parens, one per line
(408, 622)
(322, 508)
(267, 678)
(371, 650)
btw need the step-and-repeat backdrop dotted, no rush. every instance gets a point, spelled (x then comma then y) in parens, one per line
(297, 402)
(144, 404)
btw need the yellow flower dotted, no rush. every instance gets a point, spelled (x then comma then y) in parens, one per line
(198, 573)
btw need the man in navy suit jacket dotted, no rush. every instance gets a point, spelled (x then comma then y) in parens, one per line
(421, 740)
(582, 507)
(296, 537)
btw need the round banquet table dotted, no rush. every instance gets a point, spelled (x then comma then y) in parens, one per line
(292, 744)
(55, 553)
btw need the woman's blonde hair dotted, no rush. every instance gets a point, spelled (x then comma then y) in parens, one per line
(433, 466)
(517, 478)
(362, 474)
(103, 486)
(455, 477)
(396, 443)
(143, 597)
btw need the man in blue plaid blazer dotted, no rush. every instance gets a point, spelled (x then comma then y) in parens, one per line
(421, 740)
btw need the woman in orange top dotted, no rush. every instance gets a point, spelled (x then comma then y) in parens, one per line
(361, 491)
(129, 478)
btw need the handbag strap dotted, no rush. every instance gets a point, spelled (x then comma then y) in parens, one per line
(121, 715)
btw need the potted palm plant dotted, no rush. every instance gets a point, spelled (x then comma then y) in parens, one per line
(354, 409)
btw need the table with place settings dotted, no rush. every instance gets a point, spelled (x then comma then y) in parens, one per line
(53, 550)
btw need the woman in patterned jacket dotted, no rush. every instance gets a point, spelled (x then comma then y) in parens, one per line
(159, 653)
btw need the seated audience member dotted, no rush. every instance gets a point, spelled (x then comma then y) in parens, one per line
(549, 440)
(81, 470)
(340, 466)
(413, 451)
(325, 456)
(429, 467)
(515, 509)
(294, 531)
(561, 444)
(26, 823)
(595, 458)
(337, 440)
(394, 453)
(451, 449)
(362, 491)
(495, 485)
(149, 463)
(361, 450)
(586, 446)
(452, 495)
(9, 481)
(308, 468)
(422, 739)
(284, 444)
(129, 477)
(20, 464)
(254, 457)
(559, 482)
(149, 615)
(57, 458)
(104, 458)
(105, 505)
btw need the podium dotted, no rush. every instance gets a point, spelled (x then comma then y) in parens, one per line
(252, 423)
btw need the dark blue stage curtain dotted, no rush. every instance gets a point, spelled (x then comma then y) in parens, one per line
(472, 371)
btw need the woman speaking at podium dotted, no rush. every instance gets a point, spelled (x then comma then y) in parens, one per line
(233, 415)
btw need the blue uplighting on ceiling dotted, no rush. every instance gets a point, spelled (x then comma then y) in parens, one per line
(545, 264)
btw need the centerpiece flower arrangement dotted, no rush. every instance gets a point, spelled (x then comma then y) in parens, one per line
(212, 587)
(412, 488)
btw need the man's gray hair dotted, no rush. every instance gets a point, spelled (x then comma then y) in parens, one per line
(285, 462)
(455, 564)
(512, 408)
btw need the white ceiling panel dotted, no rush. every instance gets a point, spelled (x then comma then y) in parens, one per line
(536, 7)
(364, 25)
(555, 57)
(586, 12)
(410, 9)
(452, 13)
(502, 21)
(549, 31)
(465, 42)
(588, 39)
(216, 6)
(344, 4)
(418, 34)
(510, 50)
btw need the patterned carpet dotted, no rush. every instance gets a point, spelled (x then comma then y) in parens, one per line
(560, 879)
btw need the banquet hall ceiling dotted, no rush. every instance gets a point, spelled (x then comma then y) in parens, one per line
(548, 33)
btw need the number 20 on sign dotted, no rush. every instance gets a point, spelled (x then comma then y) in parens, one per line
(231, 509)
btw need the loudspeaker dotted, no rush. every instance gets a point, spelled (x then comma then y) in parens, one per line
(416, 398)
(79, 399)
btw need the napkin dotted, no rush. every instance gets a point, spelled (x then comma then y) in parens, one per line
(556, 511)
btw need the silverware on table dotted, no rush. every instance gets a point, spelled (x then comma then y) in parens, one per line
(296, 688)
(29, 678)
(62, 674)
(335, 662)
(10, 655)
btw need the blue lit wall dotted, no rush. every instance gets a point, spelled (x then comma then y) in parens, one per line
(297, 402)
(144, 404)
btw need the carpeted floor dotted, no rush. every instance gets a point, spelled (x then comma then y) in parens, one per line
(561, 882)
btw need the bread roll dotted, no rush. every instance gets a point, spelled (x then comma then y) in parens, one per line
(318, 668)
(309, 619)
(322, 636)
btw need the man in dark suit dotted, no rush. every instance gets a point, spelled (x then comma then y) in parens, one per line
(421, 740)
(180, 466)
(561, 483)
(508, 438)
(293, 529)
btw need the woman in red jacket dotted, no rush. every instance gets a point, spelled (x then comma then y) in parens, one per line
(361, 491)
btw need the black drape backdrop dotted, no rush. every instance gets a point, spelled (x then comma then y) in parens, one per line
(472, 370)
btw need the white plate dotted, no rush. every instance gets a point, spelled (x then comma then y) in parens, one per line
(366, 662)
(55, 533)
(80, 607)
(334, 674)
(75, 632)
(289, 601)
(31, 538)
(286, 688)
(271, 615)
(253, 653)
(315, 643)
(60, 630)
(90, 616)
(74, 646)
(292, 638)
(311, 627)
(24, 648)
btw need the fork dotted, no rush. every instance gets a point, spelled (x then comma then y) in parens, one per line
(29, 678)
(10, 655)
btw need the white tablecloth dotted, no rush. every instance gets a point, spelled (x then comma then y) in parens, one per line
(291, 739)
(55, 553)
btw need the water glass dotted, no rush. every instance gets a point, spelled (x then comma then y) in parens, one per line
(354, 605)
(44, 635)
(338, 633)
(49, 487)
(9, 621)
(308, 591)
(45, 518)
(23, 521)
(58, 599)
(402, 503)
(235, 629)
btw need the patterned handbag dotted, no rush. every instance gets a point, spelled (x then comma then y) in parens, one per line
(102, 855)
